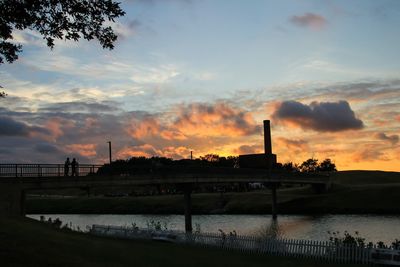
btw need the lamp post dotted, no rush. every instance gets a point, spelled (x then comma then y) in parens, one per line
(109, 150)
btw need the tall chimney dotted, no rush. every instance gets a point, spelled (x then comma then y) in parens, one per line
(267, 138)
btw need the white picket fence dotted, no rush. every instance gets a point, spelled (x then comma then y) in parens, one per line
(284, 247)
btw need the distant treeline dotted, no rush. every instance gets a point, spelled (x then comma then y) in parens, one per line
(310, 165)
(212, 160)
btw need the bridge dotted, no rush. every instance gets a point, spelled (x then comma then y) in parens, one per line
(17, 179)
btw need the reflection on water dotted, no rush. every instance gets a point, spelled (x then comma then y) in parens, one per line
(270, 230)
(373, 228)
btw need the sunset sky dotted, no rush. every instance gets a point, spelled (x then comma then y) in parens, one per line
(202, 75)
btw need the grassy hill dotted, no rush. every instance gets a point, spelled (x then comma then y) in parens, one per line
(365, 177)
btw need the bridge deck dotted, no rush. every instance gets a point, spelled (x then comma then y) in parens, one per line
(52, 175)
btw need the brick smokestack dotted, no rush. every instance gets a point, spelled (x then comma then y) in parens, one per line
(267, 138)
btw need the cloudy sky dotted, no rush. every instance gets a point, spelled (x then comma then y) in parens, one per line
(202, 75)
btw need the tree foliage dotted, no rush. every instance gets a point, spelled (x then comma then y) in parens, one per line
(210, 157)
(327, 166)
(310, 165)
(57, 19)
(153, 163)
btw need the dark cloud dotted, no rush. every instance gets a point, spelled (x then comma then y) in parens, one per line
(322, 117)
(82, 107)
(393, 139)
(5, 151)
(309, 20)
(46, 148)
(364, 91)
(10, 127)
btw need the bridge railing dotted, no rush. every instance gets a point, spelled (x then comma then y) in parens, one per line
(183, 172)
(45, 170)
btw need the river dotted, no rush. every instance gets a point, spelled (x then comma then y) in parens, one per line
(371, 227)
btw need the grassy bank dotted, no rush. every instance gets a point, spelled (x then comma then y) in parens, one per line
(25, 242)
(353, 192)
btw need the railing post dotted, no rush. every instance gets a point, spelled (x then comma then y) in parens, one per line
(16, 170)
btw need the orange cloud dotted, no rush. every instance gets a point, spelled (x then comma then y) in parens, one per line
(86, 150)
(369, 153)
(392, 139)
(294, 145)
(91, 122)
(249, 149)
(172, 135)
(145, 150)
(140, 128)
(381, 123)
(54, 126)
(148, 150)
(215, 120)
(176, 152)
(195, 121)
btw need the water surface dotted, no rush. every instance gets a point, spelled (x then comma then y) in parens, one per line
(372, 227)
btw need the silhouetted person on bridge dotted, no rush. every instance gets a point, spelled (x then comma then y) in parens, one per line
(74, 167)
(66, 167)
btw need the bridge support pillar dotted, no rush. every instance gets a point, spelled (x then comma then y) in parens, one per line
(274, 203)
(12, 200)
(187, 191)
(274, 208)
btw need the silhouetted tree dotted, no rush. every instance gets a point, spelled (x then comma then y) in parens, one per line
(290, 166)
(310, 165)
(327, 166)
(57, 19)
(233, 161)
(210, 157)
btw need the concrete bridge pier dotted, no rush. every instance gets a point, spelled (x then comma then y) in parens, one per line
(274, 206)
(187, 191)
(274, 198)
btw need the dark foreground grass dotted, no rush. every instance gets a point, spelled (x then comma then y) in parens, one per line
(24, 242)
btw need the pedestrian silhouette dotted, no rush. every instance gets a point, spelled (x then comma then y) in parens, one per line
(74, 167)
(66, 167)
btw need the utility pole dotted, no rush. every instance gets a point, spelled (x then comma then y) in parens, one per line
(109, 150)
(191, 155)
